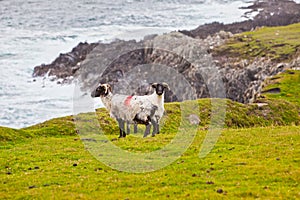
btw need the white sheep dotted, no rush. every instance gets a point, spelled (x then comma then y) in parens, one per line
(129, 109)
(157, 99)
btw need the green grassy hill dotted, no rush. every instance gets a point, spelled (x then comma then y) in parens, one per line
(245, 163)
(276, 43)
(256, 156)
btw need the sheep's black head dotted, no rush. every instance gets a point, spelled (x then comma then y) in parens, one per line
(160, 87)
(101, 90)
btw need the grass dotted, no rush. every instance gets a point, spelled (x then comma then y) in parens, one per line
(245, 163)
(276, 43)
(289, 84)
(253, 158)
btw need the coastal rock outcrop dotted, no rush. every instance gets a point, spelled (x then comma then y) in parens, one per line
(175, 58)
(171, 56)
(67, 63)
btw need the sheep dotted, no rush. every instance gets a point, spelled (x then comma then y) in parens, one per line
(129, 109)
(132, 110)
(152, 102)
(157, 99)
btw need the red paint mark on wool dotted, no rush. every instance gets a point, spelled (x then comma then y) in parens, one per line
(127, 100)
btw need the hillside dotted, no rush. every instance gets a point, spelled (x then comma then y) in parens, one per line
(280, 44)
(245, 163)
(256, 156)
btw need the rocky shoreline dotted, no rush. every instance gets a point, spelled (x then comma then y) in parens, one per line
(270, 13)
(188, 53)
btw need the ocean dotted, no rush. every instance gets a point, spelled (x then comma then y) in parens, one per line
(33, 32)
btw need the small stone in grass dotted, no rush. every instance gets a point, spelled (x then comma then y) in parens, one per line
(75, 164)
(179, 162)
(277, 158)
(32, 186)
(220, 191)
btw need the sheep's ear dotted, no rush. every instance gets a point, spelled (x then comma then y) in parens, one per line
(109, 87)
(154, 85)
(166, 85)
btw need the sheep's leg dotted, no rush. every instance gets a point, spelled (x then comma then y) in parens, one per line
(128, 128)
(135, 129)
(147, 131)
(155, 129)
(121, 127)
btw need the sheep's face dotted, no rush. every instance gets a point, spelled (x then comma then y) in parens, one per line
(101, 90)
(160, 87)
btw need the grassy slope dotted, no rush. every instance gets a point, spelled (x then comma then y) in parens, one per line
(289, 84)
(253, 163)
(38, 162)
(277, 43)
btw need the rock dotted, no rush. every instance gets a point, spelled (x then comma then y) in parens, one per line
(194, 119)
(272, 91)
(66, 64)
(220, 191)
(244, 84)
(32, 186)
(187, 66)
(261, 104)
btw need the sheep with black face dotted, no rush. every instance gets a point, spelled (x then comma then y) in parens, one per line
(157, 99)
